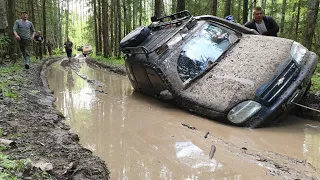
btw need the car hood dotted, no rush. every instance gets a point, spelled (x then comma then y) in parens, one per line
(247, 66)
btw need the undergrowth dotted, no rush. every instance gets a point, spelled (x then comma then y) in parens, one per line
(111, 60)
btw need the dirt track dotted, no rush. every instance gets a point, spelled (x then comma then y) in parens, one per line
(40, 133)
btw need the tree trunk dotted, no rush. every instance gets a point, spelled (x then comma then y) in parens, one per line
(44, 26)
(283, 15)
(67, 21)
(313, 8)
(245, 11)
(96, 40)
(227, 8)
(181, 5)
(250, 8)
(125, 25)
(214, 7)
(11, 19)
(60, 42)
(297, 21)
(105, 28)
(173, 6)
(134, 15)
(112, 26)
(317, 44)
(3, 15)
(119, 29)
(141, 14)
(99, 29)
(239, 11)
(32, 18)
(157, 8)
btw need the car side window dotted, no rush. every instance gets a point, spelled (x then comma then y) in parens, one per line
(204, 47)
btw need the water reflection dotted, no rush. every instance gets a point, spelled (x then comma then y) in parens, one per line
(311, 145)
(193, 156)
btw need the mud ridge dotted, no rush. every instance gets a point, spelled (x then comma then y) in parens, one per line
(40, 133)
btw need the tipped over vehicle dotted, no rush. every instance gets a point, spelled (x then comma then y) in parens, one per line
(85, 49)
(218, 69)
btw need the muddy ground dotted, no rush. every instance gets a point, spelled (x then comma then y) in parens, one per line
(40, 134)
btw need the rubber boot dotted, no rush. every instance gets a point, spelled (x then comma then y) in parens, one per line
(27, 65)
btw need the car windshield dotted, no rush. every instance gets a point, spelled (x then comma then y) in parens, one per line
(202, 49)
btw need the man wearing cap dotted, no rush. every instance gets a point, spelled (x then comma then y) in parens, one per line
(23, 31)
(265, 25)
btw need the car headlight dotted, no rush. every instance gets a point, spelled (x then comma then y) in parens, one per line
(243, 111)
(298, 52)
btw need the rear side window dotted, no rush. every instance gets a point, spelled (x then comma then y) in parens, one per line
(204, 47)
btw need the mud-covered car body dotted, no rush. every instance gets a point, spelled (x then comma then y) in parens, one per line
(217, 68)
(85, 49)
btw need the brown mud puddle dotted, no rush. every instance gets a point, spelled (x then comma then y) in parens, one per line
(142, 138)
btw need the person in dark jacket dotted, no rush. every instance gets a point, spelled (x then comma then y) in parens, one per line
(264, 25)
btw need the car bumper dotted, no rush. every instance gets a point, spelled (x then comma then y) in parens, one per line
(294, 93)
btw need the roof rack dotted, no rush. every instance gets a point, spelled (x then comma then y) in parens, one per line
(177, 15)
(173, 19)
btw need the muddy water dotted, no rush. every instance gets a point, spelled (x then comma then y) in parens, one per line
(142, 138)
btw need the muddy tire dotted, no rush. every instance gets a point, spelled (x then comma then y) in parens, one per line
(135, 37)
(307, 90)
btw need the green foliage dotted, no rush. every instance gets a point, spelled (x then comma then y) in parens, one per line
(5, 81)
(4, 40)
(2, 148)
(315, 81)
(110, 61)
(58, 51)
(10, 166)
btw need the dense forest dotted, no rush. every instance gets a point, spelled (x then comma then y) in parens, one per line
(103, 23)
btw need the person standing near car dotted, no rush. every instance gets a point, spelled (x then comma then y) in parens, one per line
(23, 31)
(38, 39)
(68, 47)
(265, 25)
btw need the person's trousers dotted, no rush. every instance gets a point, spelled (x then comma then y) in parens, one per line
(25, 49)
(39, 50)
(69, 53)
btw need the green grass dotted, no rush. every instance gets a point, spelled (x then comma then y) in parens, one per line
(315, 81)
(110, 61)
(11, 167)
(5, 80)
(11, 69)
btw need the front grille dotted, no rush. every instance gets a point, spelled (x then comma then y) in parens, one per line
(270, 92)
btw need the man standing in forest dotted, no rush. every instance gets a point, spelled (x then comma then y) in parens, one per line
(265, 25)
(23, 31)
(38, 39)
(68, 47)
(50, 47)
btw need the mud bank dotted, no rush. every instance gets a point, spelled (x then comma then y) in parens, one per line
(39, 132)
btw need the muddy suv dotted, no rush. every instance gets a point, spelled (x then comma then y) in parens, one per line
(85, 49)
(218, 69)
